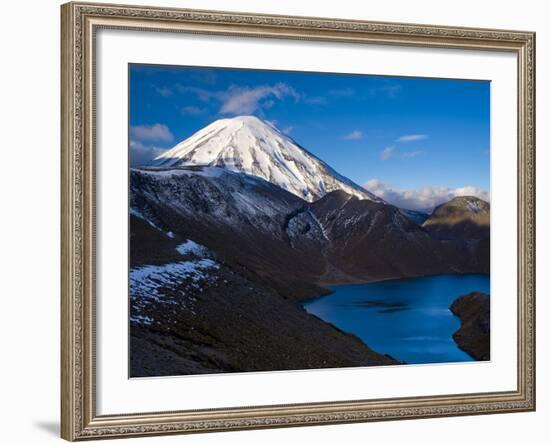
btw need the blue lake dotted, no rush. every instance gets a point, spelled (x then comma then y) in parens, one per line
(408, 319)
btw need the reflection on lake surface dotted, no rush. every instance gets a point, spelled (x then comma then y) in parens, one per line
(408, 319)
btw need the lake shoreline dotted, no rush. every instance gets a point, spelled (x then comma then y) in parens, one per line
(329, 286)
(473, 337)
(408, 318)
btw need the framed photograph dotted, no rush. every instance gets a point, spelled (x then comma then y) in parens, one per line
(282, 221)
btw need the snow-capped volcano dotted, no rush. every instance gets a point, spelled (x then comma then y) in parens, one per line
(250, 145)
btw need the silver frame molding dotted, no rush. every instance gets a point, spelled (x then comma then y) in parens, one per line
(79, 22)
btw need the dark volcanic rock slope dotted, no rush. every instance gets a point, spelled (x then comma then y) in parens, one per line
(466, 222)
(474, 335)
(249, 222)
(201, 315)
(371, 241)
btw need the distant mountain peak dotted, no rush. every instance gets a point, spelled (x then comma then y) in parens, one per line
(466, 202)
(465, 217)
(250, 145)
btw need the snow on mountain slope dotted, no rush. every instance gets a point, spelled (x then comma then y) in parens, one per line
(241, 219)
(250, 145)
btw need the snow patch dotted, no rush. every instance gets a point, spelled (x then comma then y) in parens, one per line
(149, 283)
(204, 171)
(135, 212)
(474, 205)
(141, 319)
(321, 227)
(190, 247)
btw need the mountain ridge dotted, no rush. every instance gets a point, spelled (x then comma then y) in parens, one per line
(337, 239)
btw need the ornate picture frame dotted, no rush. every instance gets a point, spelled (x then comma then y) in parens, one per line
(80, 22)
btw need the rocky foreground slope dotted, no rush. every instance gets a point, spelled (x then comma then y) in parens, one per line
(199, 314)
(474, 335)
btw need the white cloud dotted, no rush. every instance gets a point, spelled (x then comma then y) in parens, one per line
(422, 199)
(412, 138)
(164, 91)
(473, 191)
(275, 123)
(345, 92)
(356, 134)
(143, 155)
(243, 100)
(390, 90)
(411, 154)
(205, 76)
(387, 153)
(192, 110)
(204, 95)
(392, 152)
(316, 100)
(237, 100)
(153, 133)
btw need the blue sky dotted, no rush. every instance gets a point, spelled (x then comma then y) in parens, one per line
(396, 134)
